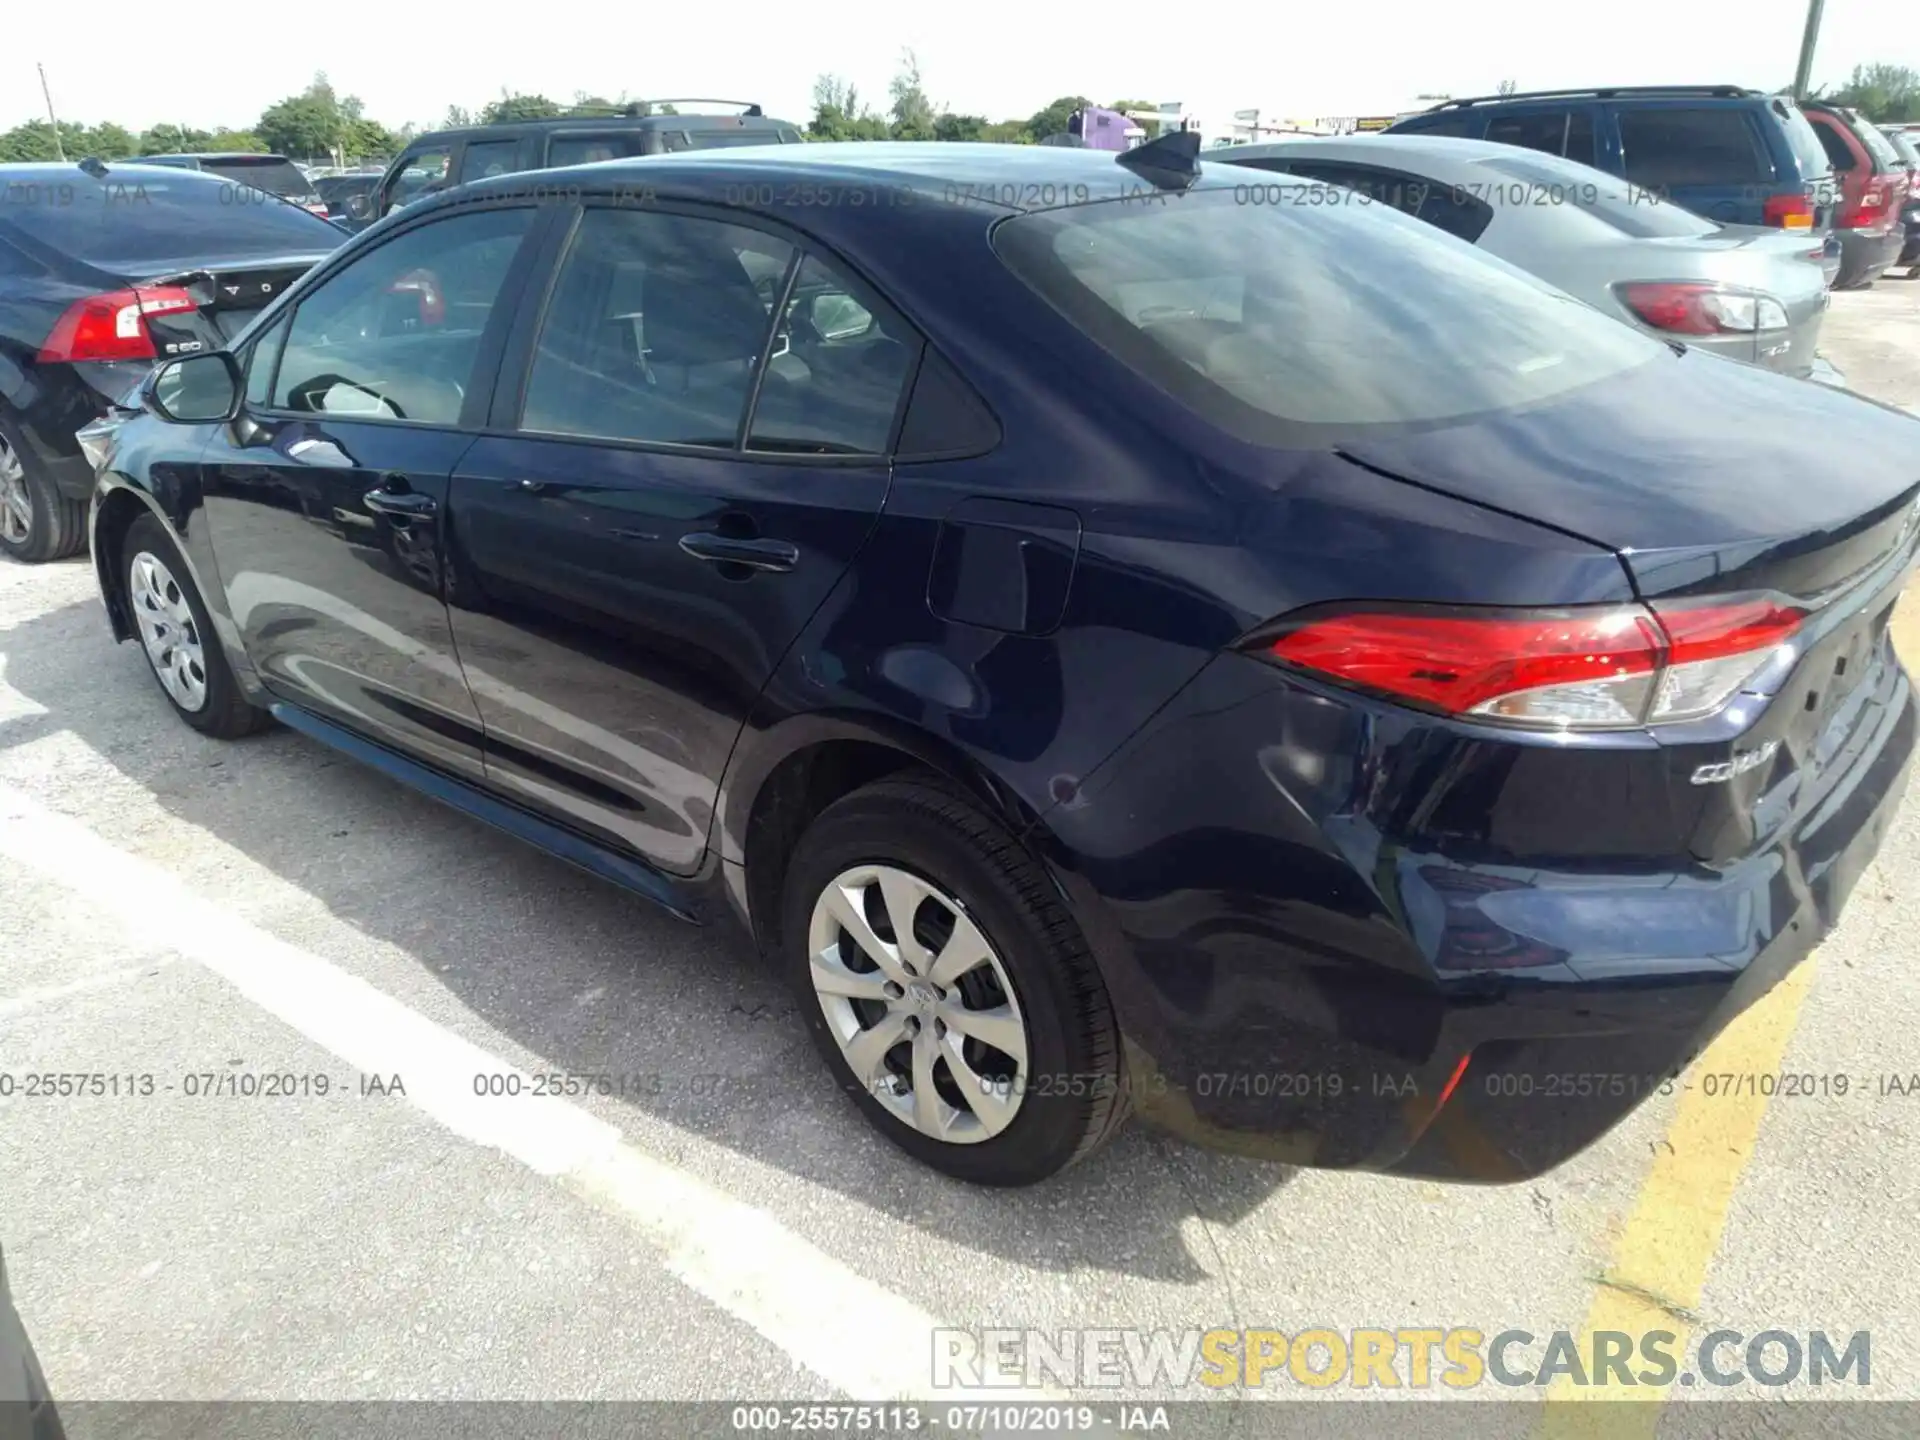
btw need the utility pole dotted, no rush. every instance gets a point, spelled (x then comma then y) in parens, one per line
(59, 150)
(1803, 73)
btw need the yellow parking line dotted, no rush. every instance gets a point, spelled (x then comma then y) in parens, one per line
(1661, 1259)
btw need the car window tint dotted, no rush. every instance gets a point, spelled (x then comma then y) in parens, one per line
(1294, 324)
(589, 149)
(1665, 145)
(1835, 144)
(145, 220)
(262, 357)
(425, 172)
(839, 366)
(655, 329)
(395, 335)
(1445, 207)
(490, 157)
(1544, 130)
(269, 173)
(1456, 124)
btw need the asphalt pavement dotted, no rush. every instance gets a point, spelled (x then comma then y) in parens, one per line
(305, 982)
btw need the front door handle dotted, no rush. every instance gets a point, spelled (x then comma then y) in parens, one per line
(395, 498)
(755, 554)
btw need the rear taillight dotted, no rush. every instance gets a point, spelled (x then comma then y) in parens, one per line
(1690, 307)
(1620, 667)
(112, 326)
(1874, 207)
(1789, 212)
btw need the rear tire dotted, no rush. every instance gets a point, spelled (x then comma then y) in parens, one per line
(178, 639)
(986, 1047)
(37, 522)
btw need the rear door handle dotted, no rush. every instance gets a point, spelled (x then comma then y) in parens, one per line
(394, 497)
(756, 554)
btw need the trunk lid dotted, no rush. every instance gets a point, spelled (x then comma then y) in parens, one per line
(1704, 475)
(227, 294)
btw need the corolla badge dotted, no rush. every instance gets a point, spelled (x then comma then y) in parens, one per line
(1739, 765)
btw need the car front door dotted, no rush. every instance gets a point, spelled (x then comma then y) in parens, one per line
(325, 498)
(688, 448)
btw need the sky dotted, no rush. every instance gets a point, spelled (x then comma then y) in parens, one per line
(409, 60)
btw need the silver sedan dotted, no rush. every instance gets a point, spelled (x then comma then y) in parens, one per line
(1748, 293)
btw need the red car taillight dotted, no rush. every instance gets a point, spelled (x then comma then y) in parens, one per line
(1874, 207)
(1587, 669)
(1789, 212)
(1692, 307)
(111, 326)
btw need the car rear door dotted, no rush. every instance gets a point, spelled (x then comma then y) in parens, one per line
(325, 499)
(632, 557)
(1710, 157)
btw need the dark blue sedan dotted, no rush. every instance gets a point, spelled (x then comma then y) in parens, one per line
(1121, 639)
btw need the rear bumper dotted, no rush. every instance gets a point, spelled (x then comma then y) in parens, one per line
(60, 400)
(1306, 938)
(1865, 256)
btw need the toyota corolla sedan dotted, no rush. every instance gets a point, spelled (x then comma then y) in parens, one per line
(1273, 669)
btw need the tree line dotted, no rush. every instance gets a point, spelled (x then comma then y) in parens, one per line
(318, 123)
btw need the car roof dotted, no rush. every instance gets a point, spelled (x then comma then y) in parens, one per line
(1433, 152)
(74, 171)
(505, 128)
(210, 155)
(1002, 178)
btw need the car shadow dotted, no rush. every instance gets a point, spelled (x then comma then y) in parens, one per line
(587, 980)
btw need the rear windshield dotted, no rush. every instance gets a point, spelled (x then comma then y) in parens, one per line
(1808, 153)
(1279, 323)
(1877, 145)
(1644, 214)
(267, 172)
(1903, 144)
(145, 220)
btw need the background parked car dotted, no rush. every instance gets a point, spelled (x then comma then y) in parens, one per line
(1873, 193)
(1903, 143)
(103, 271)
(454, 157)
(1748, 293)
(338, 192)
(274, 174)
(1741, 157)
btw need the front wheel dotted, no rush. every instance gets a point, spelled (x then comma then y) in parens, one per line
(948, 989)
(181, 648)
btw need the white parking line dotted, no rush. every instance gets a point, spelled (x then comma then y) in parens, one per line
(857, 1336)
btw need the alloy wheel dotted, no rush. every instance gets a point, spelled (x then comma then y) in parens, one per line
(16, 505)
(168, 630)
(919, 1003)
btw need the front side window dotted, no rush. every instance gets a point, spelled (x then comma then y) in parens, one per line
(1671, 145)
(425, 172)
(395, 335)
(1293, 324)
(655, 330)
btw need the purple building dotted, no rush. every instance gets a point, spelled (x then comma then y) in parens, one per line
(1100, 129)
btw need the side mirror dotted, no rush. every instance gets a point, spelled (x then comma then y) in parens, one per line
(360, 207)
(196, 390)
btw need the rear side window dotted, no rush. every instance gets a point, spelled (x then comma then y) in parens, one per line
(590, 149)
(1673, 145)
(1287, 324)
(488, 157)
(269, 173)
(725, 139)
(148, 218)
(1835, 144)
(1445, 207)
(1455, 124)
(1809, 155)
(1552, 132)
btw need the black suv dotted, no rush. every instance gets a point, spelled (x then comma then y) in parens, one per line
(645, 127)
